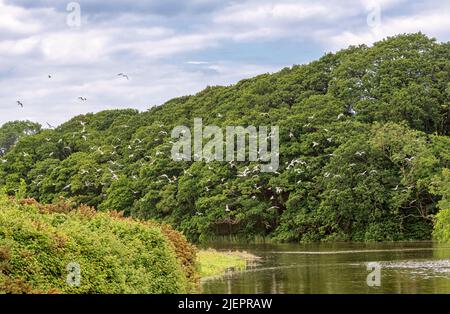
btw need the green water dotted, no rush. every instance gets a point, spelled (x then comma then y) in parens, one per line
(412, 267)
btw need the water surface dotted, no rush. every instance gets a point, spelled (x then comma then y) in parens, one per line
(405, 267)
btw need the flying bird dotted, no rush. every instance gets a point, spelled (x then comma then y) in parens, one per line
(82, 98)
(123, 75)
(20, 104)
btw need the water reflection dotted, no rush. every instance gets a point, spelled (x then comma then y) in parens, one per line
(411, 267)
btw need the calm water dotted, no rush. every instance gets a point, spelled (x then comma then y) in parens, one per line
(412, 267)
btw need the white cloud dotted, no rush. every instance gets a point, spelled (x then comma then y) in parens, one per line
(435, 24)
(16, 20)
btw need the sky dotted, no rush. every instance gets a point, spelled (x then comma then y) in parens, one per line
(171, 48)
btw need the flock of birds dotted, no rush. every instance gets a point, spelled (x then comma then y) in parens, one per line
(81, 98)
(135, 147)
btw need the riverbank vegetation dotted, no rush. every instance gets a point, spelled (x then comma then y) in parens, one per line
(64, 248)
(214, 263)
(441, 186)
(364, 141)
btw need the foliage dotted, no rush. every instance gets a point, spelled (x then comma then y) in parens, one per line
(441, 186)
(365, 177)
(215, 263)
(116, 254)
(11, 132)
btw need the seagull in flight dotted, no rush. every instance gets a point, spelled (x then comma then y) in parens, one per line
(20, 104)
(82, 98)
(123, 75)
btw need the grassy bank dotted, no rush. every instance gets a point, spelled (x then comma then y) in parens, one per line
(214, 263)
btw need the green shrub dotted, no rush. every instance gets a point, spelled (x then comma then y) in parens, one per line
(441, 186)
(116, 255)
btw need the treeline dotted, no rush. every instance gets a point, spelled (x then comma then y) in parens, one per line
(374, 174)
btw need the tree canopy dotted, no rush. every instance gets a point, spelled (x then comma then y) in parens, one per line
(373, 175)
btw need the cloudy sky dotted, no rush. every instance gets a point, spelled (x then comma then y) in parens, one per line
(172, 48)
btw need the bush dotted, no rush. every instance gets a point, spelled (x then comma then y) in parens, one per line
(442, 226)
(115, 254)
(441, 186)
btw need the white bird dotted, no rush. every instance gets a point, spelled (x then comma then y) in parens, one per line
(123, 75)
(351, 111)
(227, 208)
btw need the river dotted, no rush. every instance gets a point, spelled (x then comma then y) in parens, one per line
(399, 267)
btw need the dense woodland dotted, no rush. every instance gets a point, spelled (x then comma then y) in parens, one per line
(379, 174)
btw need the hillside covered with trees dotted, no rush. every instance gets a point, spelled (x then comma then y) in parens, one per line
(379, 174)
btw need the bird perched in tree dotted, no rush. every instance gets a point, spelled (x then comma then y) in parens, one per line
(351, 111)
